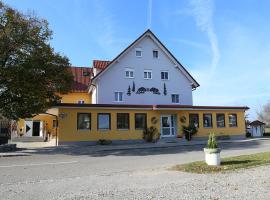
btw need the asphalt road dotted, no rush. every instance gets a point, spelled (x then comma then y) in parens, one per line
(80, 174)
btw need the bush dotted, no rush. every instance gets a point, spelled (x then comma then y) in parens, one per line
(151, 134)
(189, 131)
(212, 142)
(104, 142)
(248, 134)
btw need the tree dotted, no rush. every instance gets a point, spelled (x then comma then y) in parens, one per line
(264, 114)
(31, 73)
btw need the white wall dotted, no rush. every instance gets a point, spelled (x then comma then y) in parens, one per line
(114, 78)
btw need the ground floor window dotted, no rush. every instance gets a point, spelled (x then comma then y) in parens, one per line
(84, 121)
(207, 120)
(104, 121)
(122, 120)
(140, 121)
(232, 120)
(194, 120)
(220, 120)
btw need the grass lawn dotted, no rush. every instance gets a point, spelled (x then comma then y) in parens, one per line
(227, 164)
(267, 130)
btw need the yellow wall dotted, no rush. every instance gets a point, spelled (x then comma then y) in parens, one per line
(74, 97)
(46, 119)
(68, 125)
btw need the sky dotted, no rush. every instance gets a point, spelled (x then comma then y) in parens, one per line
(224, 44)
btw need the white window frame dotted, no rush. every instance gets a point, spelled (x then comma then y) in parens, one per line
(148, 71)
(129, 70)
(175, 99)
(157, 53)
(166, 71)
(118, 92)
(138, 49)
(81, 101)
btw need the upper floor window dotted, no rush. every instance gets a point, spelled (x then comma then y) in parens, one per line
(129, 73)
(155, 53)
(220, 120)
(81, 102)
(147, 74)
(232, 120)
(207, 120)
(118, 96)
(175, 98)
(164, 75)
(138, 52)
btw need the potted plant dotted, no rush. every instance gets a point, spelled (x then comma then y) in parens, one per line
(212, 152)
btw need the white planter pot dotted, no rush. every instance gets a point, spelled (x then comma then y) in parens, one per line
(212, 156)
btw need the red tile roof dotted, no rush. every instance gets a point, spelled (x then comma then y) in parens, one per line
(81, 78)
(101, 64)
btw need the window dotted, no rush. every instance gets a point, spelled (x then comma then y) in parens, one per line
(140, 121)
(155, 54)
(122, 121)
(138, 52)
(220, 120)
(118, 96)
(84, 121)
(129, 73)
(81, 102)
(175, 98)
(55, 123)
(86, 73)
(207, 120)
(104, 121)
(232, 120)
(164, 75)
(147, 74)
(194, 120)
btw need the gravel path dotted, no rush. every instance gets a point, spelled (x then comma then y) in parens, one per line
(148, 184)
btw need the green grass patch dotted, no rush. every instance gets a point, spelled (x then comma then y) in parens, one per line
(227, 164)
(267, 130)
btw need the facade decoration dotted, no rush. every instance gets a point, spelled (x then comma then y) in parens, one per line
(129, 91)
(133, 87)
(164, 90)
(143, 90)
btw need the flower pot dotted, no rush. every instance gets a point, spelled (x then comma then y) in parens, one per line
(212, 156)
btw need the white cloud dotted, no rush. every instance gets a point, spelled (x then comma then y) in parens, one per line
(202, 10)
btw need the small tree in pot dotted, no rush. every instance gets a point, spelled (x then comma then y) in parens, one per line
(212, 152)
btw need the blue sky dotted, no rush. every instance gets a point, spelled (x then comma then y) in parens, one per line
(224, 44)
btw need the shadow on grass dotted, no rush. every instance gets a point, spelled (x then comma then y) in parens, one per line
(236, 162)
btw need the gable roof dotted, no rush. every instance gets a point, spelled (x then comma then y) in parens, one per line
(81, 78)
(256, 123)
(195, 84)
(101, 64)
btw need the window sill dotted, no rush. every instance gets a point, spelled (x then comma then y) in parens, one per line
(83, 129)
(123, 129)
(208, 127)
(103, 130)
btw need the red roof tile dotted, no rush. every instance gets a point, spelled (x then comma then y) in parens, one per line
(101, 64)
(81, 78)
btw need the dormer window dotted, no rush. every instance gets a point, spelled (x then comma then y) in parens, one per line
(85, 73)
(155, 53)
(138, 52)
(129, 73)
(81, 102)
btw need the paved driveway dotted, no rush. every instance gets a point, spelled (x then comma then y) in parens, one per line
(128, 174)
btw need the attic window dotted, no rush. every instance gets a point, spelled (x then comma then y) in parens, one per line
(138, 52)
(86, 73)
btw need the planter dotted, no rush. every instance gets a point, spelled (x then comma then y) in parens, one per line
(212, 156)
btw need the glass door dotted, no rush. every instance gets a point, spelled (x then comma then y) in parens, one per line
(167, 125)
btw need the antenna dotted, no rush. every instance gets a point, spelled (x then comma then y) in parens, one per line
(149, 12)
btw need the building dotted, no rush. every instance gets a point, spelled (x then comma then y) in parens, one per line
(145, 85)
(257, 128)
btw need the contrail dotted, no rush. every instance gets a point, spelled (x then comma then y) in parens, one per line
(149, 21)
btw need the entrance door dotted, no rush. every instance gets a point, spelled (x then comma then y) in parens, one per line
(167, 126)
(28, 127)
(36, 128)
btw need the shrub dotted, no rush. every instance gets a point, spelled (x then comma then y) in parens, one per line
(189, 131)
(151, 134)
(248, 134)
(104, 142)
(212, 142)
